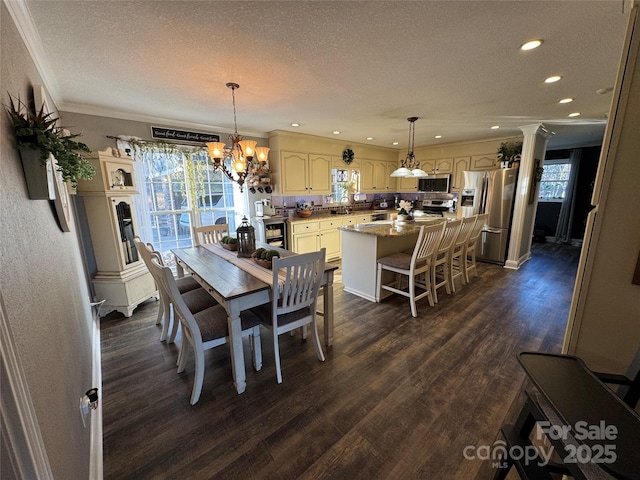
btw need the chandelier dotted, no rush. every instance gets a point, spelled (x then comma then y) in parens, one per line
(410, 167)
(239, 156)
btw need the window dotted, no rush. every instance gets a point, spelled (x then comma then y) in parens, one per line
(554, 181)
(180, 189)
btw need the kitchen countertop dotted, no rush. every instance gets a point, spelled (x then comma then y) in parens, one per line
(387, 229)
(328, 215)
(388, 211)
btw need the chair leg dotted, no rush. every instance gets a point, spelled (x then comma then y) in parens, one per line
(256, 348)
(198, 378)
(166, 314)
(466, 268)
(160, 312)
(412, 295)
(451, 278)
(276, 354)
(429, 290)
(316, 340)
(434, 292)
(176, 324)
(183, 355)
(379, 283)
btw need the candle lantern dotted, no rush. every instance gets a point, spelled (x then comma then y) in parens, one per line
(246, 239)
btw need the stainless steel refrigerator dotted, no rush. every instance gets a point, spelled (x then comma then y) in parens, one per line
(492, 192)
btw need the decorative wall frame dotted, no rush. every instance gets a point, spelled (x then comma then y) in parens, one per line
(61, 200)
(536, 176)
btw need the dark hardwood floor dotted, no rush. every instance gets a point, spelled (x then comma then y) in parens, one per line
(397, 397)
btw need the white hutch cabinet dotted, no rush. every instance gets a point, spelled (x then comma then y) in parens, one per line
(122, 279)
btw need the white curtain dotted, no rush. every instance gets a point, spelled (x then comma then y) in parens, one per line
(565, 218)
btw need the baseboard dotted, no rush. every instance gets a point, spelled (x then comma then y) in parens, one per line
(516, 265)
(95, 455)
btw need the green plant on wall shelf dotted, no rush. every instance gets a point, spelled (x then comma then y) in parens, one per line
(509, 152)
(38, 131)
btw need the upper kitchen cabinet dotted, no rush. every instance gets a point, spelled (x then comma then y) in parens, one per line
(303, 173)
(484, 162)
(440, 165)
(460, 164)
(374, 176)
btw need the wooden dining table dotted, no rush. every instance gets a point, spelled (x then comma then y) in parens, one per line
(239, 284)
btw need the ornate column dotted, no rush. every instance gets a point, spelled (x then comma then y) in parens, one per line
(534, 147)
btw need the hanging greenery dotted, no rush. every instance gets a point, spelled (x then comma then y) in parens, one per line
(194, 159)
(38, 131)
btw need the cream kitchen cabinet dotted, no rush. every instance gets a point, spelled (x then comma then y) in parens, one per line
(303, 174)
(484, 162)
(440, 165)
(374, 176)
(356, 217)
(460, 164)
(311, 236)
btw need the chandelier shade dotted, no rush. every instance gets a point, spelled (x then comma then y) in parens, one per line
(410, 166)
(237, 161)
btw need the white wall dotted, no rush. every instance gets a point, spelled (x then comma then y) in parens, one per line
(43, 287)
(605, 325)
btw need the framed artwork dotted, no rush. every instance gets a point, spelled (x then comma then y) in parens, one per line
(61, 201)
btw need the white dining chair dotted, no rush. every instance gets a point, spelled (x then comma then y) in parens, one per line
(414, 268)
(195, 296)
(205, 329)
(210, 233)
(296, 283)
(440, 271)
(469, 264)
(456, 257)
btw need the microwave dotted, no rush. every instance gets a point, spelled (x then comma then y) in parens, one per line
(439, 184)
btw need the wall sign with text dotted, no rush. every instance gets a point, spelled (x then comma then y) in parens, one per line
(183, 135)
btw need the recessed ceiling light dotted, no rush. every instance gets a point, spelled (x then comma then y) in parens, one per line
(336, 132)
(295, 124)
(602, 91)
(395, 143)
(369, 138)
(531, 44)
(566, 100)
(438, 136)
(553, 79)
(495, 127)
(574, 114)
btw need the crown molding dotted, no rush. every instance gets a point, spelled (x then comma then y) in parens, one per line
(19, 11)
(159, 121)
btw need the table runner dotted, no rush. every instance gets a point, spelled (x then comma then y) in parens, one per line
(246, 264)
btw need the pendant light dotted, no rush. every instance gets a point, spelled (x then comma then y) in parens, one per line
(410, 167)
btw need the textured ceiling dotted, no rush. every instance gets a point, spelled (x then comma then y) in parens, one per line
(361, 67)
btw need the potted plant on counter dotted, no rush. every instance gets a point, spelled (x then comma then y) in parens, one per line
(38, 136)
(403, 213)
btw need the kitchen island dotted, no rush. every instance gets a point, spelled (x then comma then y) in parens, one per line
(364, 243)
